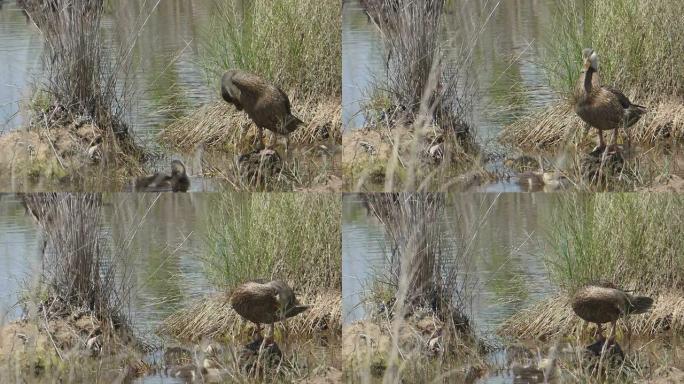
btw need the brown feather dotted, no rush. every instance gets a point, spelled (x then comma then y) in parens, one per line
(265, 303)
(603, 304)
(604, 107)
(267, 105)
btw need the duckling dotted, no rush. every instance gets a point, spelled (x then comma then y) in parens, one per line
(603, 302)
(178, 181)
(267, 105)
(539, 180)
(266, 303)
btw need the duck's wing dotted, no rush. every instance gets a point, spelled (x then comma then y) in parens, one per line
(247, 83)
(624, 100)
(255, 302)
(296, 310)
(287, 100)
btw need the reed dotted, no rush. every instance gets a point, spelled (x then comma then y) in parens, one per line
(630, 239)
(295, 44)
(289, 236)
(78, 271)
(421, 109)
(422, 331)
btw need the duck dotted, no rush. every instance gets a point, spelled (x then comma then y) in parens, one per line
(178, 181)
(603, 107)
(534, 181)
(266, 303)
(603, 302)
(265, 104)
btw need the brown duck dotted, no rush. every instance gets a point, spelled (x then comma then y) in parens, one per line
(264, 103)
(178, 181)
(266, 303)
(603, 107)
(603, 302)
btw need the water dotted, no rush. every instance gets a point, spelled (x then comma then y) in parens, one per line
(361, 61)
(508, 252)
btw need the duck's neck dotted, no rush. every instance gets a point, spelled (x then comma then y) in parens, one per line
(588, 79)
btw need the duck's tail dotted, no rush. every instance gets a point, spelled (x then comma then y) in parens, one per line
(639, 304)
(634, 113)
(296, 310)
(292, 123)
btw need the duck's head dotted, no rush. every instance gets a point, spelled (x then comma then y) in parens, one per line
(177, 168)
(589, 59)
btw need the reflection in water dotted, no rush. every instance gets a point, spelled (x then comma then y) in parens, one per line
(166, 249)
(507, 250)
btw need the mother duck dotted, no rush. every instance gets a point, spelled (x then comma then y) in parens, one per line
(604, 302)
(603, 107)
(267, 105)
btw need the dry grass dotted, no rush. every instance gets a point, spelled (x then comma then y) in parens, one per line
(550, 129)
(220, 125)
(214, 318)
(553, 318)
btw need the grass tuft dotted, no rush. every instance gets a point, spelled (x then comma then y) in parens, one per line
(296, 44)
(289, 236)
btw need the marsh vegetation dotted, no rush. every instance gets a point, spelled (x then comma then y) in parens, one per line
(517, 66)
(512, 262)
(300, 55)
(136, 286)
(144, 95)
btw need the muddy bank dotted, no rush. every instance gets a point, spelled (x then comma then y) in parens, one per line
(421, 341)
(76, 346)
(63, 155)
